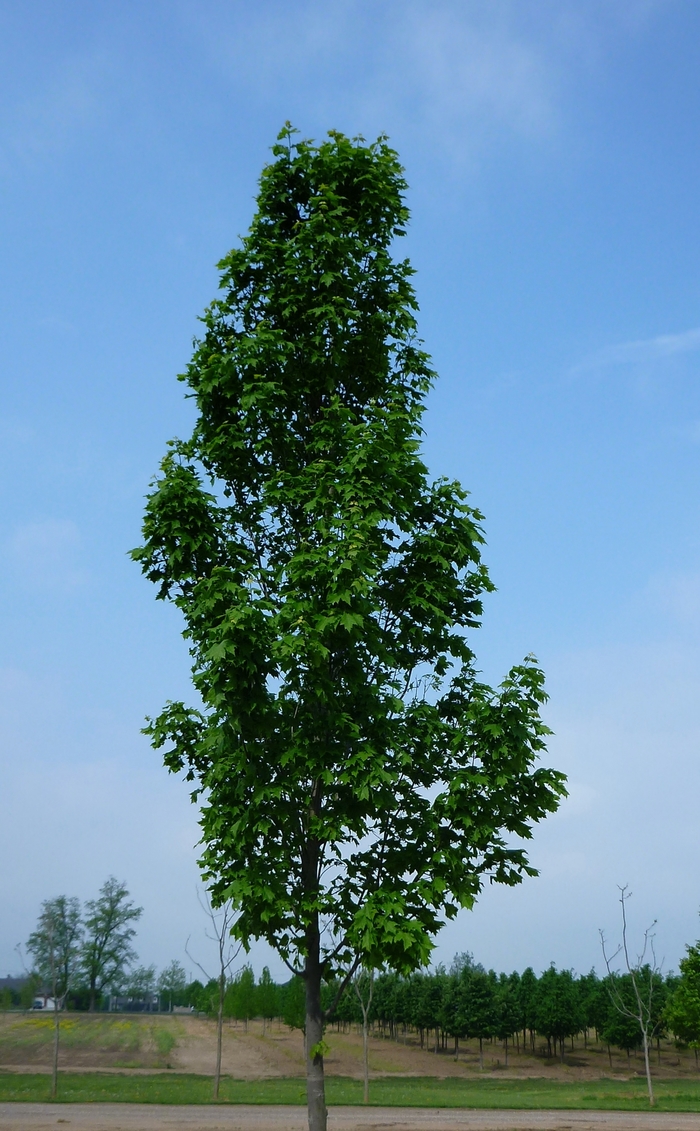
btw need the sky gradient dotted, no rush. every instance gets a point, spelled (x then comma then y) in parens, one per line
(552, 152)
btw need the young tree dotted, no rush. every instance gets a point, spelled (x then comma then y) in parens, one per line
(363, 984)
(507, 1009)
(528, 1004)
(221, 921)
(641, 1006)
(55, 946)
(559, 1013)
(293, 1002)
(359, 780)
(479, 1007)
(243, 995)
(267, 997)
(107, 949)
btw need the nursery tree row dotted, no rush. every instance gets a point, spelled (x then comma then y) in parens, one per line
(468, 1002)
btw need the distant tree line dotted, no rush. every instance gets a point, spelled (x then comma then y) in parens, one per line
(82, 956)
(468, 1002)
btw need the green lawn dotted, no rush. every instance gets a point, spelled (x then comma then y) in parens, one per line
(74, 1087)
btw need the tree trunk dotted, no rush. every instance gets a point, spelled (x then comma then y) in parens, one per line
(56, 1032)
(93, 994)
(506, 1052)
(365, 1058)
(481, 1053)
(647, 1067)
(315, 1084)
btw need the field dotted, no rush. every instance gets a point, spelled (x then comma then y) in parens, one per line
(186, 1044)
(165, 1059)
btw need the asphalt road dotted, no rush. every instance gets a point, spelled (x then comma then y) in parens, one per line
(245, 1117)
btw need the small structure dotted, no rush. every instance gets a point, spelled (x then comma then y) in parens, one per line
(147, 1003)
(44, 1001)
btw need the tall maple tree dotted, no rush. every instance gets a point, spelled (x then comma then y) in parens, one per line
(357, 781)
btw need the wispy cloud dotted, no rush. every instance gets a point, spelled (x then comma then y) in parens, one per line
(47, 554)
(34, 127)
(456, 76)
(641, 352)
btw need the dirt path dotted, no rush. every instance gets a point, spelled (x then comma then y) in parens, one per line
(156, 1117)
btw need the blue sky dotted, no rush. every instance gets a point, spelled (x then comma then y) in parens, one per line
(553, 160)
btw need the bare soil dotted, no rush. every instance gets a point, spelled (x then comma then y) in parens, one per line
(162, 1042)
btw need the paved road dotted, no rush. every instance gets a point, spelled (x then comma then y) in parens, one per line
(244, 1117)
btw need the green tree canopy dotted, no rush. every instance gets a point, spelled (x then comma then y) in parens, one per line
(358, 780)
(107, 949)
(141, 982)
(172, 983)
(558, 1012)
(683, 1007)
(55, 945)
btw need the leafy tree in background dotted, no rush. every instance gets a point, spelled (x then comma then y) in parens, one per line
(29, 990)
(682, 1011)
(55, 947)
(293, 999)
(508, 1011)
(107, 949)
(479, 1008)
(594, 1002)
(558, 1012)
(171, 984)
(195, 995)
(359, 780)
(528, 1004)
(141, 983)
(267, 998)
(241, 996)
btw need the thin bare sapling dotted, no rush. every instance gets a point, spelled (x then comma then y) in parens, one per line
(643, 975)
(363, 983)
(222, 919)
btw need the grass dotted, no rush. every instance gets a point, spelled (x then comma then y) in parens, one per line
(530, 1094)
